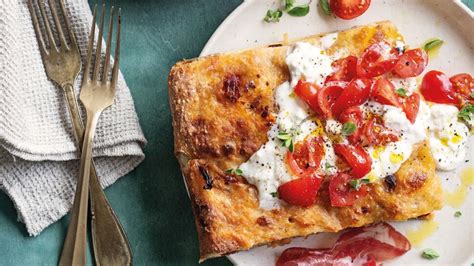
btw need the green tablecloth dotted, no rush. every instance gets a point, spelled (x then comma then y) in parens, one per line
(151, 201)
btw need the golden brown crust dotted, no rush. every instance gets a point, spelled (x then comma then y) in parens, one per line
(222, 108)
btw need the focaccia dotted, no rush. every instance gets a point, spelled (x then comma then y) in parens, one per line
(222, 107)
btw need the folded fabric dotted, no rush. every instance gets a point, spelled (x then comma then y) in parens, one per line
(38, 157)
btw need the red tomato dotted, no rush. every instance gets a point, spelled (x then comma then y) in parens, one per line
(384, 92)
(306, 157)
(356, 157)
(301, 191)
(463, 84)
(341, 192)
(353, 114)
(307, 92)
(327, 97)
(346, 69)
(349, 9)
(377, 59)
(376, 134)
(411, 105)
(356, 93)
(411, 63)
(436, 87)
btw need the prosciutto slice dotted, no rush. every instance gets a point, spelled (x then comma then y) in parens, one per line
(359, 246)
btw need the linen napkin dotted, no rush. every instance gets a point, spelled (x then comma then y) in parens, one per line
(39, 162)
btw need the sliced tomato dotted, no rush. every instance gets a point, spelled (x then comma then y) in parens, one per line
(436, 87)
(376, 134)
(341, 193)
(349, 9)
(384, 92)
(306, 157)
(354, 115)
(411, 105)
(411, 63)
(364, 245)
(327, 97)
(307, 92)
(356, 93)
(463, 85)
(345, 69)
(377, 59)
(300, 191)
(356, 157)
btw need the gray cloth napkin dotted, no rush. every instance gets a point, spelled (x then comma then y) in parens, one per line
(38, 157)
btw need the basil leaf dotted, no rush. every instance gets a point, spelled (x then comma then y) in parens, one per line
(466, 112)
(328, 166)
(238, 171)
(234, 171)
(457, 214)
(291, 147)
(401, 92)
(355, 184)
(274, 194)
(273, 16)
(325, 7)
(299, 11)
(432, 43)
(430, 254)
(289, 4)
(283, 136)
(348, 128)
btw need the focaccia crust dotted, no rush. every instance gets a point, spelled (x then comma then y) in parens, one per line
(222, 108)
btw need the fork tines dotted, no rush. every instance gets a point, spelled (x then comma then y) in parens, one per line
(51, 44)
(96, 63)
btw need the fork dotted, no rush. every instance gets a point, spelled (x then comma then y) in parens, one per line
(62, 64)
(97, 94)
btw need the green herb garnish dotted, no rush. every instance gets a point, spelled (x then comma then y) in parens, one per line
(289, 4)
(274, 194)
(328, 166)
(457, 214)
(348, 128)
(325, 7)
(234, 171)
(401, 92)
(299, 11)
(466, 112)
(286, 139)
(273, 15)
(432, 43)
(430, 254)
(357, 183)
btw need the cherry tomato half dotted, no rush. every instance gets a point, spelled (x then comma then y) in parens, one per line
(341, 192)
(346, 69)
(411, 105)
(307, 92)
(356, 93)
(356, 157)
(354, 115)
(384, 92)
(327, 97)
(301, 191)
(436, 87)
(377, 59)
(411, 63)
(463, 84)
(349, 9)
(306, 157)
(376, 134)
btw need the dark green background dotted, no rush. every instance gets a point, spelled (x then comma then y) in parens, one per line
(151, 202)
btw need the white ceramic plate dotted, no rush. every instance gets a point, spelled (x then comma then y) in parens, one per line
(418, 21)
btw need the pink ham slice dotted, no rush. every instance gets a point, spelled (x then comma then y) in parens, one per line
(359, 246)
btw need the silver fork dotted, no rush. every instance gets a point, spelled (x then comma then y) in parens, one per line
(97, 93)
(62, 64)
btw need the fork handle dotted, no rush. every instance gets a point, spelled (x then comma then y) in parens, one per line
(74, 249)
(110, 243)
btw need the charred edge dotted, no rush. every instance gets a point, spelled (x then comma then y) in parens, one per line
(206, 177)
(275, 45)
(391, 182)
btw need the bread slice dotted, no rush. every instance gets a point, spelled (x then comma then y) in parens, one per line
(222, 107)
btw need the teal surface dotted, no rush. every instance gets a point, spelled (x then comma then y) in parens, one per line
(151, 202)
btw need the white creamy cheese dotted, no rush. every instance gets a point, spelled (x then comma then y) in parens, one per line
(328, 163)
(309, 62)
(292, 109)
(333, 127)
(328, 40)
(448, 137)
(409, 84)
